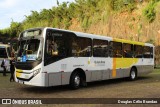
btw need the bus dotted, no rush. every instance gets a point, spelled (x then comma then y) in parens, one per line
(5, 53)
(51, 57)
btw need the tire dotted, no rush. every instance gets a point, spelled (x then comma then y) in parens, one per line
(75, 80)
(133, 74)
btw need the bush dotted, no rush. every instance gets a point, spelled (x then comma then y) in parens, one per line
(149, 12)
(118, 4)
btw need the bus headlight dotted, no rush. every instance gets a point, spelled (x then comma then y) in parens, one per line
(35, 72)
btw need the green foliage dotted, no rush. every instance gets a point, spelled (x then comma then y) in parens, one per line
(149, 12)
(88, 12)
(130, 7)
(85, 24)
(121, 5)
(151, 40)
(118, 4)
(13, 31)
(5, 31)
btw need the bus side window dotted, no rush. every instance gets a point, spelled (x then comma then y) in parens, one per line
(116, 49)
(147, 52)
(128, 50)
(138, 50)
(100, 48)
(74, 47)
(58, 45)
(81, 47)
(48, 43)
(110, 49)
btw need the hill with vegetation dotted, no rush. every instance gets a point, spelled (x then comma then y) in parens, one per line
(128, 19)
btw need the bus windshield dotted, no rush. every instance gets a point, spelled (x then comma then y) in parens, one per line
(3, 53)
(29, 50)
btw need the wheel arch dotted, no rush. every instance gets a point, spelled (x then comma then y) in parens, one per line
(134, 67)
(80, 71)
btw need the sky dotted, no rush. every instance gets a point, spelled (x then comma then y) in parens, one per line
(17, 9)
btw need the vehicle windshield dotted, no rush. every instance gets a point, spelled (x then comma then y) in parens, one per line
(29, 50)
(3, 53)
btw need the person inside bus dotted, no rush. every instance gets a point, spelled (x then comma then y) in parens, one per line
(118, 53)
(128, 53)
(54, 48)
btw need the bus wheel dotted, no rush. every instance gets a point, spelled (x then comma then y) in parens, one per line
(75, 80)
(133, 74)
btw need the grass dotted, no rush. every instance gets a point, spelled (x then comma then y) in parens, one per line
(156, 71)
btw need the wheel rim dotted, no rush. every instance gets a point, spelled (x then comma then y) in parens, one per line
(77, 80)
(133, 74)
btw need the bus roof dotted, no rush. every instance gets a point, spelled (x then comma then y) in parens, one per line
(85, 34)
(99, 37)
(133, 42)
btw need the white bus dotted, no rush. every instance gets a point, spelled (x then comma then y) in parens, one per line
(5, 53)
(51, 57)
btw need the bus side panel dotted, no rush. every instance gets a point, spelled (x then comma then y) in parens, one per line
(126, 72)
(119, 73)
(96, 75)
(65, 77)
(45, 77)
(145, 69)
(54, 79)
(88, 76)
(100, 68)
(106, 74)
(148, 65)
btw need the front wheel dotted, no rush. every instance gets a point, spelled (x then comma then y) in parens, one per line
(133, 74)
(75, 80)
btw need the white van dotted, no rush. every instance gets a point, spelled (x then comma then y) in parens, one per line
(5, 53)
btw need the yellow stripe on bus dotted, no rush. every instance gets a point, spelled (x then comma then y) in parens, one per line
(125, 62)
(128, 41)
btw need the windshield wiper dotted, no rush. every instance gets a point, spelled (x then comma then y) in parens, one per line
(26, 43)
